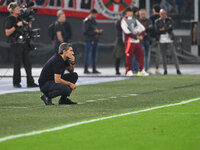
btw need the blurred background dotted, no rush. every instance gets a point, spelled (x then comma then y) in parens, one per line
(186, 15)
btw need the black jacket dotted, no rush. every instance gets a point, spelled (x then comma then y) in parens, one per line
(89, 27)
(153, 19)
(167, 24)
(119, 32)
(148, 27)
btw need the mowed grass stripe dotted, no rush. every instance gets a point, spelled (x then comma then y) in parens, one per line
(167, 128)
(93, 120)
(39, 117)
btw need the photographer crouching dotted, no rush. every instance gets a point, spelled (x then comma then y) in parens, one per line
(53, 82)
(20, 49)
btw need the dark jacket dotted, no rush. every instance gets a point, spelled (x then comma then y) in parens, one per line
(153, 18)
(119, 32)
(167, 24)
(148, 28)
(89, 27)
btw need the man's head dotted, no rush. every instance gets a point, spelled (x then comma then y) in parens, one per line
(142, 14)
(93, 13)
(128, 12)
(135, 11)
(66, 50)
(61, 16)
(13, 8)
(156, 9)
(163, 14)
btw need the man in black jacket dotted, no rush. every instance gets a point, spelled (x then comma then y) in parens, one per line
(164, 29)
(20, 48)
(146, 41)
(91, 33)
(119, 49)
(154, 42)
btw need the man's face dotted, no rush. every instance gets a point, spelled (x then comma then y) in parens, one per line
(154, 11)
(163, 14)
(69, 53)
(129, 13)
(93, 15)
(142, 14)
(16, 10)
(62, 18)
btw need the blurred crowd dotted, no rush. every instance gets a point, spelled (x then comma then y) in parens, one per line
(136, 38)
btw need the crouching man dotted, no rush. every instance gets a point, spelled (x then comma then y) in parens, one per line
(53, 82)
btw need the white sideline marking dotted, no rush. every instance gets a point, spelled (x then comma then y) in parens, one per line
(13, 107)
(93, 120)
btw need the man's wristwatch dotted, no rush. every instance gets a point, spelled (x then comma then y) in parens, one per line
(72, 63)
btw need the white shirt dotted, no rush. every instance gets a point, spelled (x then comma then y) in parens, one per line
(135, 30)
(165, 38)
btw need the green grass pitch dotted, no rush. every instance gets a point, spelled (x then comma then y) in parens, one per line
(174, 127)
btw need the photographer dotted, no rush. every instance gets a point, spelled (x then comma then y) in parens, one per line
(164, 29)
(53, 82)
(20, 49)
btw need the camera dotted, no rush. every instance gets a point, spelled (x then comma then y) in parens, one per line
(26, 13)
(25, 33)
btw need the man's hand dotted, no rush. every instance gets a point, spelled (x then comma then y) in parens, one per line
(19, 24)
(162, 29)
(99, 31)
(72, 59)
(72, 86)
(140, 37)
(150, 26)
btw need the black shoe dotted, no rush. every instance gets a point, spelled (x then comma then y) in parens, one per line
(87, 72)
(118, 73)
(46, 100)
(178, 72)
(67, 101)
(17, 85)
(165, 72)
(96, 72)
(32, 85)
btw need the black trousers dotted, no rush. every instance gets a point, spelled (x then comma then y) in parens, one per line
(21, 55)
(52, 89)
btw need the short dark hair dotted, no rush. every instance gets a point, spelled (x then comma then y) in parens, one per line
(128, 9)
(135, 9)
(93, 11)
(64, 46)
(157, 8)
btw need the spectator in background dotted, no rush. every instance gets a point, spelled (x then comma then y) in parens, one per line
(119, 49)
(154, 41)
(91, 33)
(62, 30)
(146, 41)
(135, 12)
(133, 32)
(134, 61)
(164, 29)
